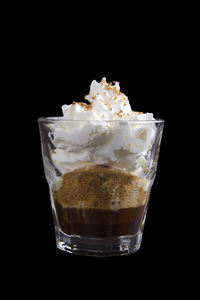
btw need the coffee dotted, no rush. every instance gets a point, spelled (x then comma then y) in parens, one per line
(99, 222)
(100, 201)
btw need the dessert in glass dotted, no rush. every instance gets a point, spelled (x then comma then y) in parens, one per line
(100, 160)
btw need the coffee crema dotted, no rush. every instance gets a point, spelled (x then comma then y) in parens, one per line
(99, 201)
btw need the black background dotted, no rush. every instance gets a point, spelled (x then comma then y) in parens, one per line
(149, 84)
(52, 62)
(150, 88)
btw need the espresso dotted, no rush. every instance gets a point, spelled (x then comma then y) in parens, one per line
(100, 202)
(99, 223)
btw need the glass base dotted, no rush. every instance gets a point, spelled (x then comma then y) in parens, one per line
(116, 246)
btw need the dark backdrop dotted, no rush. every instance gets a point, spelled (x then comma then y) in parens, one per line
(149, 84)
(51, 68)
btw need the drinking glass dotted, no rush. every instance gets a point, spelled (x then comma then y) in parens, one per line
(99, 205)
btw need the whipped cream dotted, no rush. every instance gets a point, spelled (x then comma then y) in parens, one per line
(105, 131)
(106, 103)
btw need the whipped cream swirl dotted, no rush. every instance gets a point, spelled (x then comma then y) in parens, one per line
(105, 131)
(106, 103)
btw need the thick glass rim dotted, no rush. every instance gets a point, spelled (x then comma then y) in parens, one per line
(61, 119)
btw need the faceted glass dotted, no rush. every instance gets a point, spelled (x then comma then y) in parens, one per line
(100, 191)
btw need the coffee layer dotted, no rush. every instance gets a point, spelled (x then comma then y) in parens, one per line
(99, 222)
(100, 187)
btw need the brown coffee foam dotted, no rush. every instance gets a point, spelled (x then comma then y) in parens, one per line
(100, 187)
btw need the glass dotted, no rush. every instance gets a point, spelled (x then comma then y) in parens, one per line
(100, 175)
